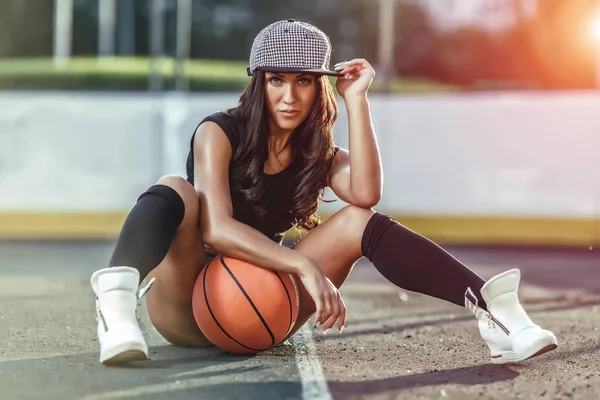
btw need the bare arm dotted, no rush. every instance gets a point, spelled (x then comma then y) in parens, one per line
(212, 154)
(356, 175)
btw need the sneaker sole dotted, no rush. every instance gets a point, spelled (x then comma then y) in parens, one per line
(510, 357)
(134, 349)
(125, 357)
(546, 349)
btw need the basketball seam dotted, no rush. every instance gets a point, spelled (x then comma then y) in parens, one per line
(289, 300)
(249, 300)
(213, 315)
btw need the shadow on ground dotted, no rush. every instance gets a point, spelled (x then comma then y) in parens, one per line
(445, 321)
(174, 372)
(475, 375)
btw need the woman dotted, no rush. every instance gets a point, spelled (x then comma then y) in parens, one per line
(257, 170)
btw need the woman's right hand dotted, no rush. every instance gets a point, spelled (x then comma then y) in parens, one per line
(327, 298)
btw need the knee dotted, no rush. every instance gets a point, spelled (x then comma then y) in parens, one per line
(355, 213)
(185, 190)
(354, 219)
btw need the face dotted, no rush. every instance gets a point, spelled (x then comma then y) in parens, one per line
(289, 98)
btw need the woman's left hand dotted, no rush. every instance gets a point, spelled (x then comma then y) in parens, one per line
(358, 75)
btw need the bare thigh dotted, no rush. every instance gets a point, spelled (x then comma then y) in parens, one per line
(335, 246)
(170, 298)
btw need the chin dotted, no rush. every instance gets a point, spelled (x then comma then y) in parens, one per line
(288, 125)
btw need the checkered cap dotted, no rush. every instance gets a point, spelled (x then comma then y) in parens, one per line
(291, 46)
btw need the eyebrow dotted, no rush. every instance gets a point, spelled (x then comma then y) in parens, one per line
(297, 76)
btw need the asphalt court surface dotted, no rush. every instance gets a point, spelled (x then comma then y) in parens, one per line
(397, 344)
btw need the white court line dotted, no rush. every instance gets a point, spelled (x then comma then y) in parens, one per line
(314, 384)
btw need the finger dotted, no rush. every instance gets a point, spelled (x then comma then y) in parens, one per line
(329, 324)
(344, 67)
(340, 66)
(318, 312)
(327, 307)
(358, 62)
(356, 70)
(335, 312)
(354, 67)
(342, 317)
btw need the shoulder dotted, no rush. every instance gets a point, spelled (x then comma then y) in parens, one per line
(210, 140)
(225, 116)
(229, 122)
(221, 128)
(213, 142)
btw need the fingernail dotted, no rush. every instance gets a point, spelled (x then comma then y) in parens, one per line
(342, 329)
(325, 331)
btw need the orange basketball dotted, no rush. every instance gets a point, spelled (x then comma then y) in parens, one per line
(243, 308)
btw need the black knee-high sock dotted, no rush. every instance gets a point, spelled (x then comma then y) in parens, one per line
(149, 230)
(415, 263)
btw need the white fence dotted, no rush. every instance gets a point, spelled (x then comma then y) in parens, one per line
(478, 154)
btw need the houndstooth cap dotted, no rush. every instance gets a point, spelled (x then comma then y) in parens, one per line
(291, 46)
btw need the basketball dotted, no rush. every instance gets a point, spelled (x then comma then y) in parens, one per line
(243, 308)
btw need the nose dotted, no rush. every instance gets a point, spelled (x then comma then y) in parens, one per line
(289, 96)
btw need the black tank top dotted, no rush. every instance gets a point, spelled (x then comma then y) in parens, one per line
(278, 187)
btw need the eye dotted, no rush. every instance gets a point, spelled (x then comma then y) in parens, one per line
(305, 81)
(274, 80)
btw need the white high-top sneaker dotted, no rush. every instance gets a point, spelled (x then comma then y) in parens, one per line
(119, 334)
(507, 329)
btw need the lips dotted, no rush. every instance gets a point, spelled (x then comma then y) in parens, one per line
(289, 113)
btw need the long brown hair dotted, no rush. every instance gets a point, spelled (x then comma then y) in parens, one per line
(312, 149)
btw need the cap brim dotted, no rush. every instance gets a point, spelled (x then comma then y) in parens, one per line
(283, 70)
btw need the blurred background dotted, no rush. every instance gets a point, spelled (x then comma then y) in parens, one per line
(487, 112)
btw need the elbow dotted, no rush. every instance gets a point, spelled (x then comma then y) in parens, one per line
(368, 199)
(213, 236)
(367, 194)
